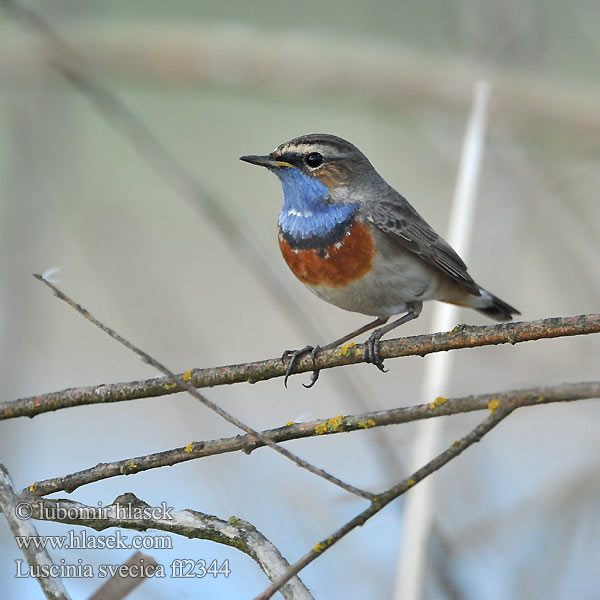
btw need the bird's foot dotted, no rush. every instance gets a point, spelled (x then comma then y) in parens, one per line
(294, 355)
(371, 350)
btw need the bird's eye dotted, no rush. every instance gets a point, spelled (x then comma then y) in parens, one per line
(314, 160)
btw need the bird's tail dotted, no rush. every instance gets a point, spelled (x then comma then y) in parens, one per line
(493, 307)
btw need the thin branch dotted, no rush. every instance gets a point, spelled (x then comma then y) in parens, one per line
(565, 392)
(130, 512)
(184, 385)
(497, 413)
(38, 558)
(121, 583)
(358, 69)
(462, 336)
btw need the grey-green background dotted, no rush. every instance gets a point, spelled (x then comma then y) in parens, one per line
(516, 516)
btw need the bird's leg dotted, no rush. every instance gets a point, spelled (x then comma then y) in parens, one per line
(294, 355)
(372, 344)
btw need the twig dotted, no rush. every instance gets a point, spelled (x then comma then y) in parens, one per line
(188, 523)
(184, 385)
(462, 336)
(565, 392)
(361, 70)
(38, 558)
(121, 583)
(498, 413)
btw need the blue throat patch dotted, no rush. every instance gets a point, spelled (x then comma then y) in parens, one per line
(307, 220)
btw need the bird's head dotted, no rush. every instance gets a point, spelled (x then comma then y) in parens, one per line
(316, 165)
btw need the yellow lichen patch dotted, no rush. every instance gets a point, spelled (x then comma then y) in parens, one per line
(366, 424)
(322, 428)
(319, 547)
(189, 447)
(411, 482)
(32, 487)
(540, 399)
(128, 467)
(457, 329)
(493, 405)
(454, 443)
(290, 423)
(336, 423)
(345, 349)
(170, 386)
(187, 376)
(437, 402)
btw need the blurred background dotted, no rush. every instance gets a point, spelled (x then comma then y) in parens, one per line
(191, 272)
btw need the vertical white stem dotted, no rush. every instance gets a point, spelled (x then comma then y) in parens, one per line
(418, 513)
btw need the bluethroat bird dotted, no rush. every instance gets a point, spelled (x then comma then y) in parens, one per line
(357, 243)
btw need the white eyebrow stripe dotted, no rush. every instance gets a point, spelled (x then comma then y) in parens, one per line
(327, 150)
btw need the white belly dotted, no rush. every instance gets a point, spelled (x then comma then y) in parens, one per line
(397, 277)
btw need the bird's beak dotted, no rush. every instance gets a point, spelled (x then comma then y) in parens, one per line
(264, 161)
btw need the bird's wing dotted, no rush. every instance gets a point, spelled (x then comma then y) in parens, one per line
(404, 225)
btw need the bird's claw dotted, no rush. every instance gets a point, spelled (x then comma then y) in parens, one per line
(315, 374)
(294, 355)
(371, 351)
